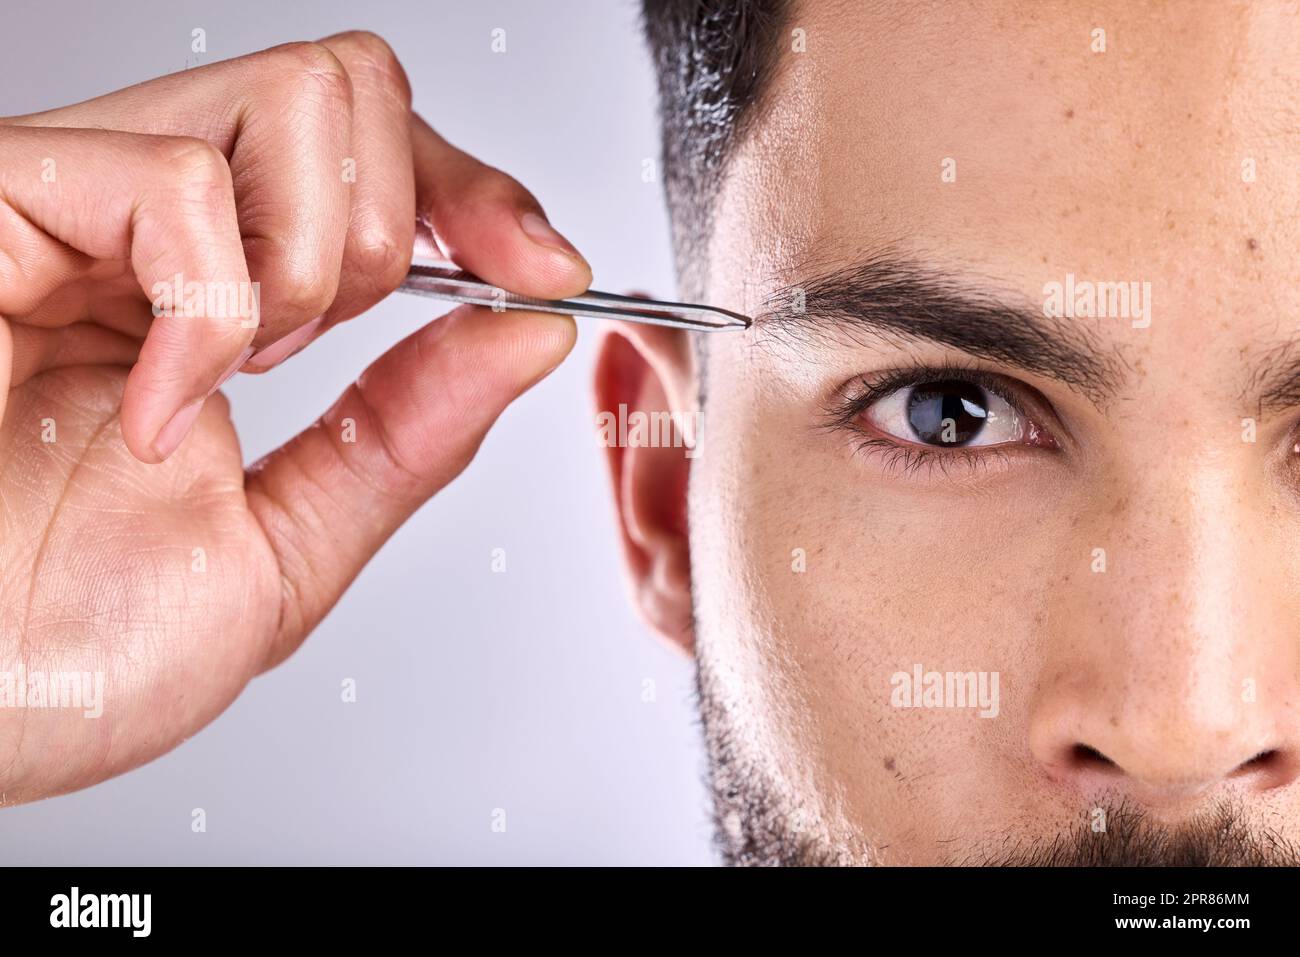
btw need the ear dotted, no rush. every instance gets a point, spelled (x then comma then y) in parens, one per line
(643, 372)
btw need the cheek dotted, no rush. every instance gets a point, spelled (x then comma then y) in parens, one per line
(818, 580)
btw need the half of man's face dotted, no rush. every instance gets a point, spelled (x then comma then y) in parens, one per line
(993, 523)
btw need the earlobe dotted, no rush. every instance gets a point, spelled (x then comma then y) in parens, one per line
(645, 404)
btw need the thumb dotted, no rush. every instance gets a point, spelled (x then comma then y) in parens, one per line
(331, 496)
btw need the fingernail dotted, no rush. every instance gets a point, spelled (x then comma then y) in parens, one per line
(234, 367)
(178, 426)
(173, 433)
(540, 231)
(284, 347)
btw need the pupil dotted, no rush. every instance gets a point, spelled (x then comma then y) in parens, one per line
(947, 413)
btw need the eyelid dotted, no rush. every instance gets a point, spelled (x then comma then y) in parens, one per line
(858, 394)
(862, 391)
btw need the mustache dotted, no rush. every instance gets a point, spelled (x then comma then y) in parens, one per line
(1220, 837)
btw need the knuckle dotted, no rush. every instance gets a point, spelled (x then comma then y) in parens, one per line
(381, 259)
(496, 186)
(370, 54)
(306, 293)
(402, 474)
(313, 68)
(195, 162)
(307, 56)
(366, 43)
(487, 187)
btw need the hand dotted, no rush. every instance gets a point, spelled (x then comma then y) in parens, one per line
(133, 544)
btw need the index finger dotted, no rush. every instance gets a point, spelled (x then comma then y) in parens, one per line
(487, 223)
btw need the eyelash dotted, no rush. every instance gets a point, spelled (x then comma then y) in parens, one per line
(860, 393)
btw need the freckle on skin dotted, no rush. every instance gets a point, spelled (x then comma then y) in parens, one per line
(889, 764)
(1069, 114)
(1251, 244)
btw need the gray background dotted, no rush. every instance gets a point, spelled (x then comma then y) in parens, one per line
(476, 690)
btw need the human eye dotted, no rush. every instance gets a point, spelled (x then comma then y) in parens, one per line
(942, 416)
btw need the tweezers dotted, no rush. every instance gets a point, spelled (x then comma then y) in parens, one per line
(455, 285)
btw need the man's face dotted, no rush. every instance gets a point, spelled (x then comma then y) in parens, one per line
(909, 468)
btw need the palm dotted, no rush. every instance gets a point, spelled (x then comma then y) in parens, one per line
(157, 576)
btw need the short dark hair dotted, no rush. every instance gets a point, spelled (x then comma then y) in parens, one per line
(715, 60)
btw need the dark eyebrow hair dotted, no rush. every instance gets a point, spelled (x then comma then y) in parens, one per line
(1276, 381)
(897, 300)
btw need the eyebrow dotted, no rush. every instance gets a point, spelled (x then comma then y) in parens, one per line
(1276, 382)
(896, 300)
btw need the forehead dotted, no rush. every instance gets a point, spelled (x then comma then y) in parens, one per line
(1006, 140)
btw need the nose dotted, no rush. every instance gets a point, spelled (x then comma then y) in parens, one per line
(1161, 749)
(1173, 676)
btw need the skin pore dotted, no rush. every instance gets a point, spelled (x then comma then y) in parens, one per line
(805, 556)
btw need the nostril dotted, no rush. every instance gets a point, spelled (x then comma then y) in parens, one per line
(1274, 768)
(1084, 756)
(1264, 761)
